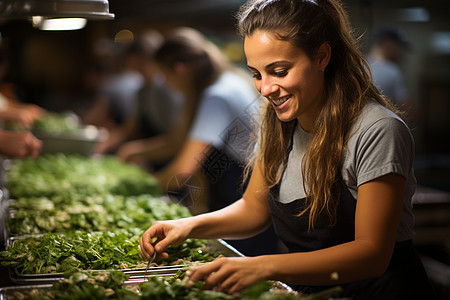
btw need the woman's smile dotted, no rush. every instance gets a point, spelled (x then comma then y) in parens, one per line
(278, 103)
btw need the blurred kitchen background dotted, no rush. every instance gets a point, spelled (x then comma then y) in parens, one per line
(58, 70)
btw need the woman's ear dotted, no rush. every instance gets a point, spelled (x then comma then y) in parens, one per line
(323, 56)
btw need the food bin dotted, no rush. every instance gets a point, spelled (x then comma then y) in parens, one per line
(80, 141)
(216, 245)
(15, 292)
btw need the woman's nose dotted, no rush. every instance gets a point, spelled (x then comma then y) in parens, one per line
(267, 87)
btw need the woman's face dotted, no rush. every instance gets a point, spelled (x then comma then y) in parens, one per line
(286, 76)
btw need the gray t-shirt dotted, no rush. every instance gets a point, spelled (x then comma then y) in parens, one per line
(380, 143)
(224, 117)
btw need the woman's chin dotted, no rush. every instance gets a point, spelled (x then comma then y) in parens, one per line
(283, 117)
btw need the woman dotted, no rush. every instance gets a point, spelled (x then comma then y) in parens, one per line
(332, 172)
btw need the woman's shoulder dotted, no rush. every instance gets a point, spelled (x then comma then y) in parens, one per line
(376, 115)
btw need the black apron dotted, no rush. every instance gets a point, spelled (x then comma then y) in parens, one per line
(405, 277)
(225, 187)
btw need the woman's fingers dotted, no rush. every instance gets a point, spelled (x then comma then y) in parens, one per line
(212, 273)
(145, 254)
(227, 274)
(165, 234)
(146, 248)
(231, 284)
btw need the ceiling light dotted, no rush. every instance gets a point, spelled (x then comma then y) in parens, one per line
(59, 23)
(90, 9)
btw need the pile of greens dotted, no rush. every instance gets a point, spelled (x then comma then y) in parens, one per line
(79, 250)
(175, 288)
(108, 250)
(56, 123)
(71, 174)
(84, 285)
(113, 285)
(89, 213)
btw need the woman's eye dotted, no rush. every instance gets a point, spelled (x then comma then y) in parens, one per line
(256, 76)
(280, 73)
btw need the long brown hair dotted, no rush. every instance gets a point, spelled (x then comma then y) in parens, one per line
(307, 24)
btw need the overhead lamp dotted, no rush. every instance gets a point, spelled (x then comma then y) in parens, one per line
(57, 24)
(89, 9)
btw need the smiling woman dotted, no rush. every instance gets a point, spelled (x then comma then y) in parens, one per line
(332, 170)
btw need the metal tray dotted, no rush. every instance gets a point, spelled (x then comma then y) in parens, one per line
(218, 245)
(80, 142)
(3, 215)
(10, 292)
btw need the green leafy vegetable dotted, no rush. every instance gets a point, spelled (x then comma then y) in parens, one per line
(56, 123)
(175, 288)
(113, 285)
(71, 174)
(87, 285)
(53, 253)
(94, 213)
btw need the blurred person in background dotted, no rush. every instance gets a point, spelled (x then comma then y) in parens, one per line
(386, 55)
(20, 142)
(120, 82)
(20, 115)
(332, 170)
(156, 107)
(212, 135)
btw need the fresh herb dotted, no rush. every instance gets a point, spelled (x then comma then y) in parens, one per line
(87, 285)
(71, 174)
(56, 123)
(175, 288)
(112, 285)
(74, 251)
(93, 213)
(54, 253)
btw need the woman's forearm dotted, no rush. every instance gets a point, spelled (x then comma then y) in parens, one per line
(339, 264)
(236, 221)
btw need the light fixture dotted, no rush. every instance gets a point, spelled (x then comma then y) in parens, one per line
(55, 24)
(89, 9)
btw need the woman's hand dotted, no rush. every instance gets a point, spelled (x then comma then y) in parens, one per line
(229, 274)
(167, 233)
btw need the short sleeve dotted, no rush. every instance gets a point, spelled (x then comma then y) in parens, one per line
(385, 147)
(211, 120)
